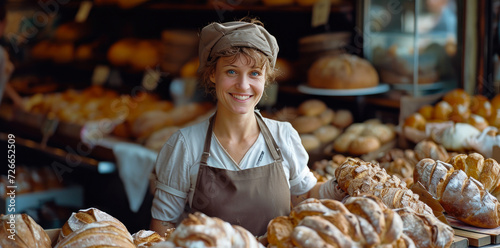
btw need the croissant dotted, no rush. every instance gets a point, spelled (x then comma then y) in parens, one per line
(461, 196)
(357, 176)
(361, 222)
(486, 171)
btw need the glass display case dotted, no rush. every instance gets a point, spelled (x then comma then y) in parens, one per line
(412, 43)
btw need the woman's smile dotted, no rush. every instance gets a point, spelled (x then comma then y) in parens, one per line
(240, 97)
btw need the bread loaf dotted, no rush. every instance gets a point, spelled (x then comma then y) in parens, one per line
(97, 234)
(429, 149)
(361, 222)
(146, 238)
(21, 231)
(425, 230)
(85, 217)
(343, 71)
(485, 170)
(461, 196)
(202, 231)
(357, 176)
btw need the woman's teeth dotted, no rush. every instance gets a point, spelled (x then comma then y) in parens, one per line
(240, 97)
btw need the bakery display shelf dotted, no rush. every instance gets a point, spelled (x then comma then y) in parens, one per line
(56, 153)
(477, 236)
(381, 88)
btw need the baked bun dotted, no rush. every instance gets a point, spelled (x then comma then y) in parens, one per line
(343, 118)
(327, 133)
(426, 111)
(457, 96)
(312, 107)
(459, 113)
(442, 111)
(306, 124)
(341, 144)
(327, 116)
(415, 120)
(363, 145)
(343, 71)
(382, 132)
(478, 122)
(310, 141)
(480, 105)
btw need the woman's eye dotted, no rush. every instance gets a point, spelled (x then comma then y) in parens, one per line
(231, 72)
(255, 74)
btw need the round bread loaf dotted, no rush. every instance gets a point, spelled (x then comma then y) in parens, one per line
(343, 71)
(306, 124)
(327, 133)
(310, 142)
(415, 120)
(363, 145)
(343, 118)
(312, 107)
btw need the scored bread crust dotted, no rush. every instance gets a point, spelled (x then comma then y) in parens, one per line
(461, 196)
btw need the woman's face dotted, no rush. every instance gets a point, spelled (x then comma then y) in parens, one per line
(239, 84)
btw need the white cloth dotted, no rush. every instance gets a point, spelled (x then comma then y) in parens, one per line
(178, 163)
(135, 165)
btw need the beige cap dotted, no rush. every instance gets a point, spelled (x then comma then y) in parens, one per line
(216, 37)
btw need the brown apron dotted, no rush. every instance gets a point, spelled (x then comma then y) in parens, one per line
(249, 198)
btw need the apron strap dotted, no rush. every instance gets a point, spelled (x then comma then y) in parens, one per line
(208, 141)
(270, 142)
(268, 137)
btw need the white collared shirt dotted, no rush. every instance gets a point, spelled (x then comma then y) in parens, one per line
(178, 163)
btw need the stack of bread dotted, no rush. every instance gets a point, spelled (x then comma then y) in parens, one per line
(356, 176)
(315, 122)
(457, 121)
(30, 180)
(363, 138)
(135, 54)
(362, 221)
(135, 116)
(65, 46)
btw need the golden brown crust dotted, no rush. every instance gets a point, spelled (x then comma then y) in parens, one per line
(343, 71)
(27, 233)
(312, 107)
(363, 145)
(486, 171)
(429, 149)
(461, 196)
(279, 230)
(306, 124)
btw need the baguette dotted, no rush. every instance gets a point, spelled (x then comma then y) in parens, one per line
(486, 171)
(357, 176)
(461, 196)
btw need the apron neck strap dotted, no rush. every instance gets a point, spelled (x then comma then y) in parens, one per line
(270, 142)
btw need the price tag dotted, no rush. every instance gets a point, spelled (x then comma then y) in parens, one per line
(151, 79)
(100, 74)
(321, 13)
(83, 12)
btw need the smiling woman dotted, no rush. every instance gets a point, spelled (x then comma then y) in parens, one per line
(243, 155)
